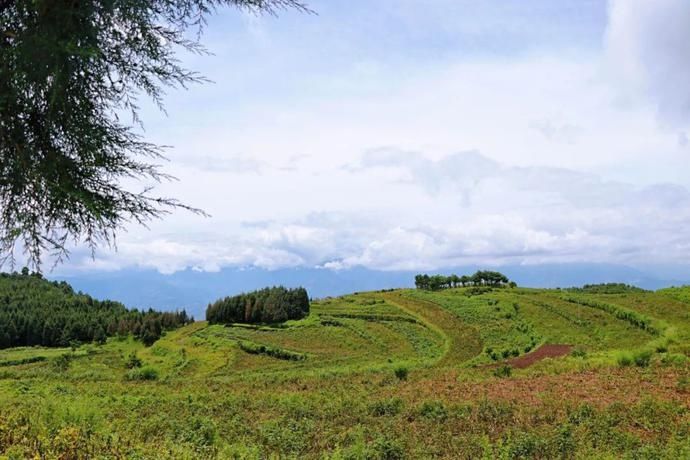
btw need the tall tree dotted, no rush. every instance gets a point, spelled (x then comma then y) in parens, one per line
(68, 71)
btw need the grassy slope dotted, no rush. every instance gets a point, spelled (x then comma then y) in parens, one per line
(213, 399)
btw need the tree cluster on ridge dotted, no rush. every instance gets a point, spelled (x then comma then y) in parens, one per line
(480, 278)
(35, 311)
(268, 305)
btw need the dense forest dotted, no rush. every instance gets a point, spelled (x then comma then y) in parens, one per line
(480, 278)
(268, 305)
(35, 311)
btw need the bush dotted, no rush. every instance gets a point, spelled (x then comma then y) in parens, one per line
(18, 362)
(642, 358)
(624, 359)
(133, 361)
(503, 371)
(388, 449)
(278, 353)
(144, 373)
(578, 352)
(63, 362)
(386, 407)
(401, 372)
(434, 410)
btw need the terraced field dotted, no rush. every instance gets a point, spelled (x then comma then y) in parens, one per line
(458, 373)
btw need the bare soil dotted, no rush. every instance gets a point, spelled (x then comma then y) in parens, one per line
(545, 351)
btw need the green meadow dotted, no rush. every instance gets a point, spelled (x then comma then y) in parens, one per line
(453, 373)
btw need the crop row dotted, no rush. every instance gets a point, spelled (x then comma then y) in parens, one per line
(559, 312)
(278, 353)
(636, 319)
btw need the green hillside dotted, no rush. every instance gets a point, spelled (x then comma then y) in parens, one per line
(452, 373)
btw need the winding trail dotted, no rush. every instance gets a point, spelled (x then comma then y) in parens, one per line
(461, 341)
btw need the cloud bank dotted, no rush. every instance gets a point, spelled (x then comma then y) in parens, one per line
(464, 209)
(648, 43)
(401, 135)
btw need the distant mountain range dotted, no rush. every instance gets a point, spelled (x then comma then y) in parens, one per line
(193, 290)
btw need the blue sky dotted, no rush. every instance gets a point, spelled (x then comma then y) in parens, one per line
(401, 134)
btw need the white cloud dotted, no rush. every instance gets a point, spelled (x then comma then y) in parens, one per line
(648, 44)
(561, 153)
(488, 213)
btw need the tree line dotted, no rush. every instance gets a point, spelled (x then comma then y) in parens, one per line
(268, 305)
(35, 311)
(480, 278)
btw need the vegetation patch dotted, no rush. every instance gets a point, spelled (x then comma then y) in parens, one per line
(278, 353)
(269, 305)
(636, 319)
(38, 312)
(19, 362)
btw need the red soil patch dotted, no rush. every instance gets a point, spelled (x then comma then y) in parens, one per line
(545, 351)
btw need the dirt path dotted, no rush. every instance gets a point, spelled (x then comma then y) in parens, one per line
(545, 351)
(462, 342)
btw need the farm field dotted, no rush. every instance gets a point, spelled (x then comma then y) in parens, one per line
(456, 373)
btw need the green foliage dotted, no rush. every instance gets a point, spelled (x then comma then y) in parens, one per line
(210, 399)
(19, 362)
(385, 448)
(480, 278)
(434, 410)
(636, 319)
(273, 352)
(63, 362)
(69, 71)
(401, 372)
(503, 371)
(386, 407)
(578, 352)
(35, 311)
(642, 358)
(142, 373)
(607, 288)
(133, 361)
(625, 358)
(269, 305)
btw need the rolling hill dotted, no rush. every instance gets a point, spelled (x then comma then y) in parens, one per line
(457, 373)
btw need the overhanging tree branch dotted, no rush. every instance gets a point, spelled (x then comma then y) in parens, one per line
(66, 70)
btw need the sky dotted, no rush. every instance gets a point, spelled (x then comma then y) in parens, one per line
(419, 134)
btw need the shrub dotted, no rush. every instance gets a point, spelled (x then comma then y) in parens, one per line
(386, 407)
(401, 372)
(624, 359)
(578, 352)
(144, 373)
(503, 371)
(388, 449)
(63, 362)
(642, 358)
(18, 362)
(278, 353)
(434, 410)
(133, 361)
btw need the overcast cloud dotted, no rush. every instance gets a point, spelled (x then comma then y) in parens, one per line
(419, 135)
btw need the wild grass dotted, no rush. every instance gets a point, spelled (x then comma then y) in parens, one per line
(399, 374)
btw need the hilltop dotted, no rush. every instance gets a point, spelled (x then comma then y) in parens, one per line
(464, 372)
